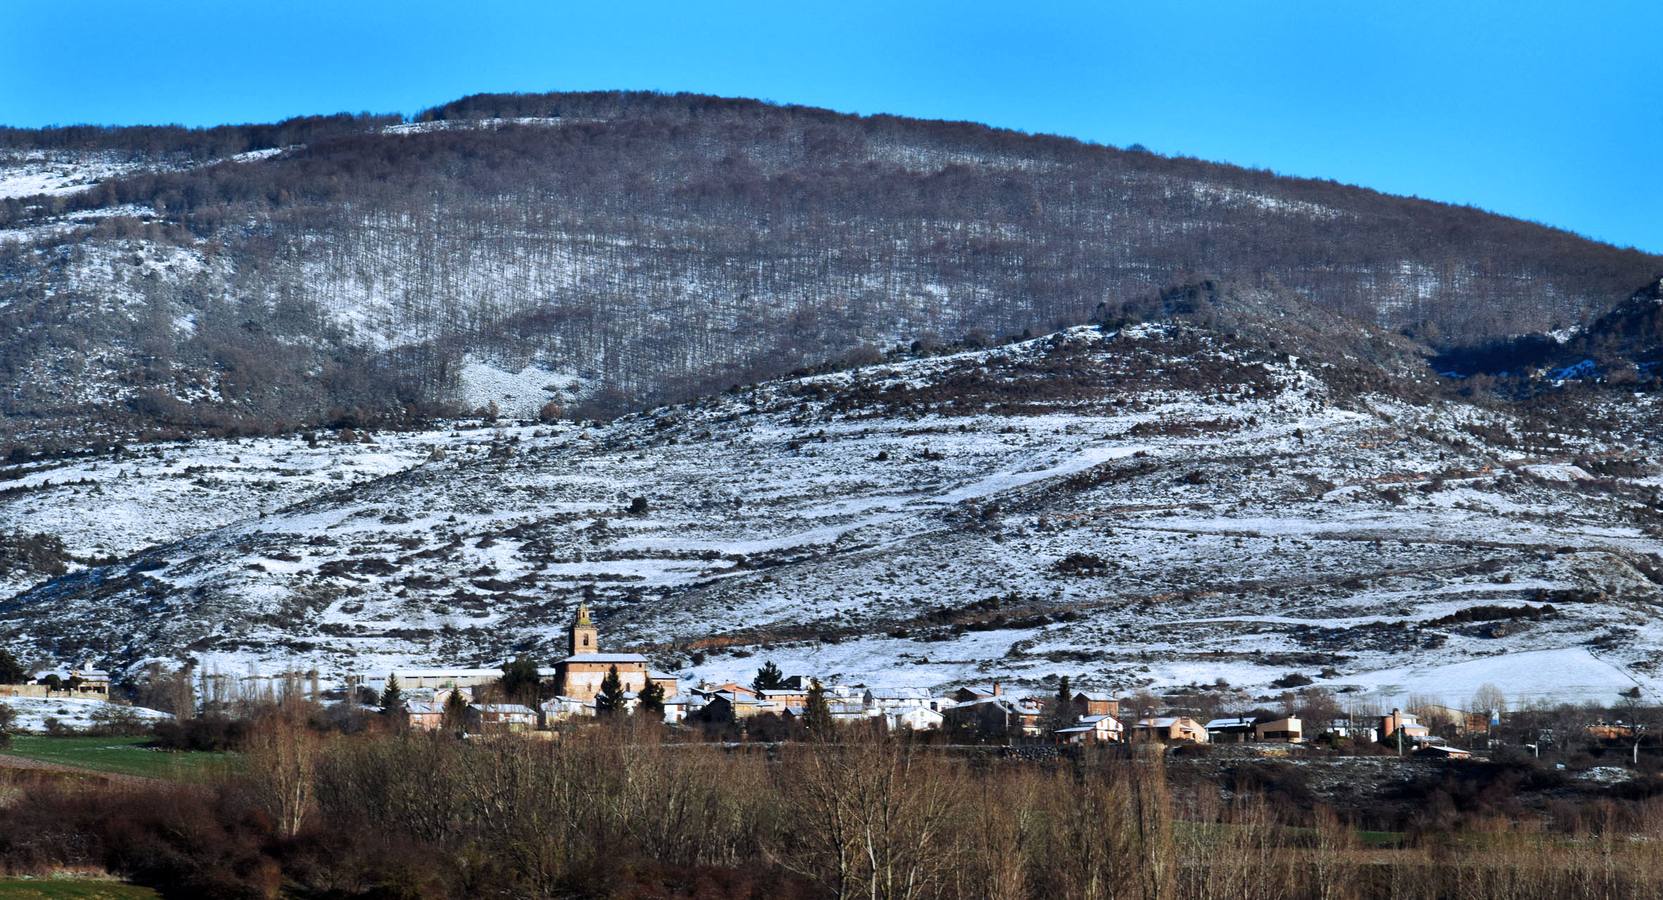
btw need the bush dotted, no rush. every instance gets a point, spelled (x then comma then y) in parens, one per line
(1495, 613)
(112, 719)
(189, 843)
(1081, 564)
(206, 733)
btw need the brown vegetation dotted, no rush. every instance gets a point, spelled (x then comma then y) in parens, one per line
(813, 236)
(621, 811)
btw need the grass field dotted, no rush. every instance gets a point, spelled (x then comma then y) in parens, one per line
(117, 755)
(71, 889)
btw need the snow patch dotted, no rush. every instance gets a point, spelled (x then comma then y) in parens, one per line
(71, 712)
(518, 395)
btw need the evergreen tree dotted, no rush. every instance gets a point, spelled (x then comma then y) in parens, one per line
(10, 671)
(652, 700)
(456, 712)
(520, 682)
(817, 714)
(768, 678)
(610, 701)
(1060, 713)
(392, 698)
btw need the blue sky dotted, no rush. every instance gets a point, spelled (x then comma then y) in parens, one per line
(1547, 111)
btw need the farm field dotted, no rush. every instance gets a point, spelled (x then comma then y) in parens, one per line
(71, 889)
(114, 755)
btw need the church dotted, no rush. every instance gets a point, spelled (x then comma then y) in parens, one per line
(579, 675)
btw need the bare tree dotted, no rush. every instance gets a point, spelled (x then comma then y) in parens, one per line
(282, 758)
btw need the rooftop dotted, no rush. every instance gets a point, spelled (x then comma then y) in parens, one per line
(504, 709)
(447, 673)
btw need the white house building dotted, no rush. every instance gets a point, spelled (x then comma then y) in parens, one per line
(1099, 728)
(913, 718)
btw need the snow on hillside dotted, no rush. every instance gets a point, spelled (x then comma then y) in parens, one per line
(71, 712)
(117, 503)
(1531, 676)
(29, 173)
(473, 124)
(517, 394)
(58, 172)
(1151, 508)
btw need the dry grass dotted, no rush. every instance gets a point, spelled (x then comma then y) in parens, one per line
(620, 812)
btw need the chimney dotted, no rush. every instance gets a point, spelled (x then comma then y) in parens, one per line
(996, 689)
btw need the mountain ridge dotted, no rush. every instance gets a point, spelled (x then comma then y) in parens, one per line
(632, 249)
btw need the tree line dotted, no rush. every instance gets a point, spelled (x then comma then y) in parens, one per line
(623, 812)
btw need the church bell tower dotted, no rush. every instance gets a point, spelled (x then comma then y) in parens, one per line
(585, 637)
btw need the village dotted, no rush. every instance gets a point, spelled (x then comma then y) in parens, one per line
(794, 759)
(592, 686)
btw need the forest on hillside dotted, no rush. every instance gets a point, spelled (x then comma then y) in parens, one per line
(660, 246)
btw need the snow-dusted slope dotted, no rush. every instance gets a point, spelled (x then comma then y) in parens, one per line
(1155, 506)
(34, 714)
(630, 249)
(60, 172)
(114, 504)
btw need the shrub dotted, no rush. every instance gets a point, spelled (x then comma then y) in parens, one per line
(205, 733)
(114, 719)
(1081, 564)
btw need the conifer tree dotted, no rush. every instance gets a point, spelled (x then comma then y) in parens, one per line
(610, 701)
(392, 698)
(1060, 713)
(652, 700)
(521, 683)
(456, 712)
(817, 714)
(10, 671)
(768, 678)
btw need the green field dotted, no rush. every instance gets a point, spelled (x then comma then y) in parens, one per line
(71, 889)
(117, 755)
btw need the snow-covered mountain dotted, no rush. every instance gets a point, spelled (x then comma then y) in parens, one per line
(604, 252)
(1161, 500)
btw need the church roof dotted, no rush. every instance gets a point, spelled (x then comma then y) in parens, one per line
(605, 658)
